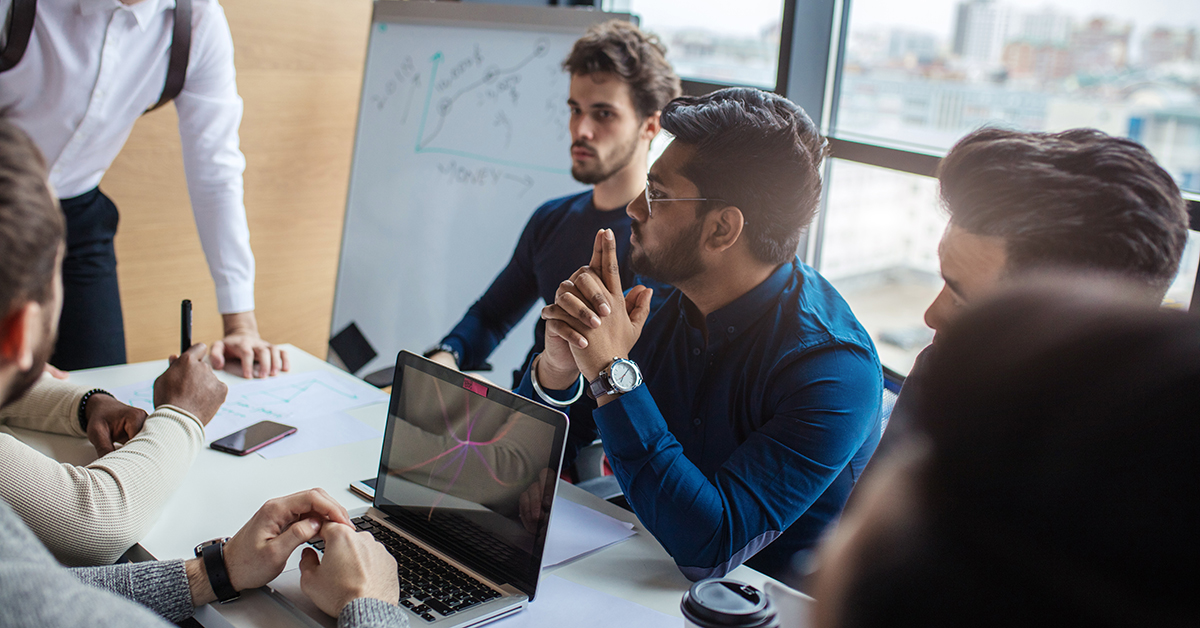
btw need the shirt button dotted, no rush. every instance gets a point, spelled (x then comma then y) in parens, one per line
(696, 421)
(730, 329)
(696, 351)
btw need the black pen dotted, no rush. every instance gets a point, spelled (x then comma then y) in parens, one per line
(185, 326)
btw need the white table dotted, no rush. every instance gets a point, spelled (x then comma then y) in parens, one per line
(221, 492)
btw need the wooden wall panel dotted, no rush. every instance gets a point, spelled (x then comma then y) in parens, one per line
(300, 66)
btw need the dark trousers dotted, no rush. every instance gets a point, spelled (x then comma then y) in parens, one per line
(91, 331)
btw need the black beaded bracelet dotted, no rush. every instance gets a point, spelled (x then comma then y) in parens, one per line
(83, 405)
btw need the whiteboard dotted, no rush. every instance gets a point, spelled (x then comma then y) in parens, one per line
(462, 134)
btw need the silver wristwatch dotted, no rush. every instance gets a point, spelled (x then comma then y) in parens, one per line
(621, 377)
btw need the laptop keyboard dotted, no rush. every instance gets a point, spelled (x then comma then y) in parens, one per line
(428, 584)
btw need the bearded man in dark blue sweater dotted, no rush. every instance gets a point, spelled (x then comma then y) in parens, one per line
(760, 402)
(620, 81)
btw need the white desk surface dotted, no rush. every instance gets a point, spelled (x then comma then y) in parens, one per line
(221, 492)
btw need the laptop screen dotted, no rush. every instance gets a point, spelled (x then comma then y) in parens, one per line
(471, 469)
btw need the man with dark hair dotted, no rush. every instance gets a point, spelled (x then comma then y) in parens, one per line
(356, 577)
(1031, 202)
(761, 397)
(620, 80)
(1055, 481)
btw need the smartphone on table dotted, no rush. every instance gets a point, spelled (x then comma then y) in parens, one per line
(252, 438)
(365, 488)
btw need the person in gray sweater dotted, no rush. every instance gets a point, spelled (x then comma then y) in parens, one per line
(355, 580)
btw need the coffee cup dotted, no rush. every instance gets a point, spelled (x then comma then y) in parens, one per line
(724, 603)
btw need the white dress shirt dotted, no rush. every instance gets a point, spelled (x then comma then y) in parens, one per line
(93, 67)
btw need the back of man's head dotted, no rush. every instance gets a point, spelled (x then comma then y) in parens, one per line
(1058, 479)
(638, 58)
(759, 152)
(31, 224)
(1079, 199)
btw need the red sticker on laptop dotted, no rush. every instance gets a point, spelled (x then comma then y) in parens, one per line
(475, 387)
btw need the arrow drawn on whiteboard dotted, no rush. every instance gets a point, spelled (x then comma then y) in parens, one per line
(525, 180)
(437, 60)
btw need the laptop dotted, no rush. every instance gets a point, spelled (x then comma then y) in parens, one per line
(462, 461)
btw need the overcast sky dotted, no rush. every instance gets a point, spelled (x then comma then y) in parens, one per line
(747, 17)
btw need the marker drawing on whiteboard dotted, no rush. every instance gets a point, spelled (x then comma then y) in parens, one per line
(406, 77)
(498, 86)
(480, 176)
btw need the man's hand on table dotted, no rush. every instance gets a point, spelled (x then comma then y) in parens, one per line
(590, 315)
(189, 383)
(243, 352)
(109, 421)
(355, 566)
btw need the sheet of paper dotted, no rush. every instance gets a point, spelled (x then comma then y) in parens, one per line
(578, 530)
(289, 399)
(560, 602)
(320, 432)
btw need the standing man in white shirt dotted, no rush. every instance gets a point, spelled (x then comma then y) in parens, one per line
(89, 69)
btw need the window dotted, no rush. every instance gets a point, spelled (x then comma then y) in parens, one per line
(1179, 295)
(711, 41)
(879, 249)
(919, 78)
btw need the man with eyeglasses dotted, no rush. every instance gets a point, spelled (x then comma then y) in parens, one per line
(620, 80)
(739, 414)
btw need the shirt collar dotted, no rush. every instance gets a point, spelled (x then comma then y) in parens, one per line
(730, 321)
(143, 11)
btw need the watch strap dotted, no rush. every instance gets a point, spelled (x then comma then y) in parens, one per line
(213, 555)
(601, 386)
(443, 346)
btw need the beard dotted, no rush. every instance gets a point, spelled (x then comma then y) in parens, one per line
(26, 379)
(604, 168)
(677, 262)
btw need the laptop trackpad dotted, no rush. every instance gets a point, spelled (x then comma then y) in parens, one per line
(287, 589)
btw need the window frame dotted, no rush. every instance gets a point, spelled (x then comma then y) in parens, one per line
(829, 21)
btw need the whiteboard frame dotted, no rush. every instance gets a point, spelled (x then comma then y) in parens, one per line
(463, 15)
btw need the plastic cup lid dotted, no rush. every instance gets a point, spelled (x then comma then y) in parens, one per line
(721, 602)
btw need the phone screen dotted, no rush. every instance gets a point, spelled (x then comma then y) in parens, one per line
(253, 438)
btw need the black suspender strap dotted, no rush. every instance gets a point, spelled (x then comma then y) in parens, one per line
(181, 47)
(19, 31)
(20, 28)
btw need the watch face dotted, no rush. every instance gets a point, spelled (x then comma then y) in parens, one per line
(624, 376)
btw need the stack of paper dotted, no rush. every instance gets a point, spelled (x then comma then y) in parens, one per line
(576, 531)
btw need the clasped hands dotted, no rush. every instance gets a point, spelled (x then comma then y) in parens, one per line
(354, 566)
(591, 320)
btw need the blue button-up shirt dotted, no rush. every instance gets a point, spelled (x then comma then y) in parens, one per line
(746, 438)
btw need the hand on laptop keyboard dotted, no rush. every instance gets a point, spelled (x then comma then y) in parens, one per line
(427, 583)
(355, 565)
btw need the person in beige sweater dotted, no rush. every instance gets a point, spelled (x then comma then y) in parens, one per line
(85, 515)
(89, 515)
